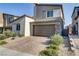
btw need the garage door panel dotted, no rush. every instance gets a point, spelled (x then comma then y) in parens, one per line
(44, 30)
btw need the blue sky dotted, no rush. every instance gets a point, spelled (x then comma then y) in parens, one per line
(68, 9)
(21, 8)
(17, 8)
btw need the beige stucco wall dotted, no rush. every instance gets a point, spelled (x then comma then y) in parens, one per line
(27, 26)
(40, 9)
(1, 20)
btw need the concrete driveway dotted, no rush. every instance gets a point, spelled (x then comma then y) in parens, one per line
(32, 45)
(9, 52)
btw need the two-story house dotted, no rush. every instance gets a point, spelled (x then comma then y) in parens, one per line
(48, 20)
(75, 21)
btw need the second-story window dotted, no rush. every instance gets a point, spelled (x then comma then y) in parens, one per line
(50, 13)
(10, 19)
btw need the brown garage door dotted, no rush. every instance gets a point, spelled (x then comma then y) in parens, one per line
(43, 30)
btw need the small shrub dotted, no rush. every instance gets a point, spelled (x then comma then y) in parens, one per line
(3, 42)
(55, 52)
(57, 39)
(2, 37)
(53, 47)
(49, 52)
(8, 34)
(43, 53)
(20, 35)
(13, 34)
(46, 53)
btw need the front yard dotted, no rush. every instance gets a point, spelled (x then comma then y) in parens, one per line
(31, 45)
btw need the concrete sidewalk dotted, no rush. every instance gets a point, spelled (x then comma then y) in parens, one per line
(9, 52)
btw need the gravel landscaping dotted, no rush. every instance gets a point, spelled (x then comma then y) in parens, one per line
(31, 45)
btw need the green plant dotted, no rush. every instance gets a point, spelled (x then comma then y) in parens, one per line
(9, 33)
(20, 35)
(43, 53)
(49, 52)
(46, 53)
(3, 42)
(56, 39)
(13, 34)
(2, 37)
(55, 52)
(53, 47)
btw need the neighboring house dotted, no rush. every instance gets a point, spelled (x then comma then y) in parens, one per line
(69, 29)
(75, 21)
(48, 20)
(5, 20)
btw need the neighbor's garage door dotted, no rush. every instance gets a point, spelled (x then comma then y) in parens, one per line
(43, 30)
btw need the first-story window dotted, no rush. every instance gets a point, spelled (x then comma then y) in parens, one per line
(18, 27)
(49, 13)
